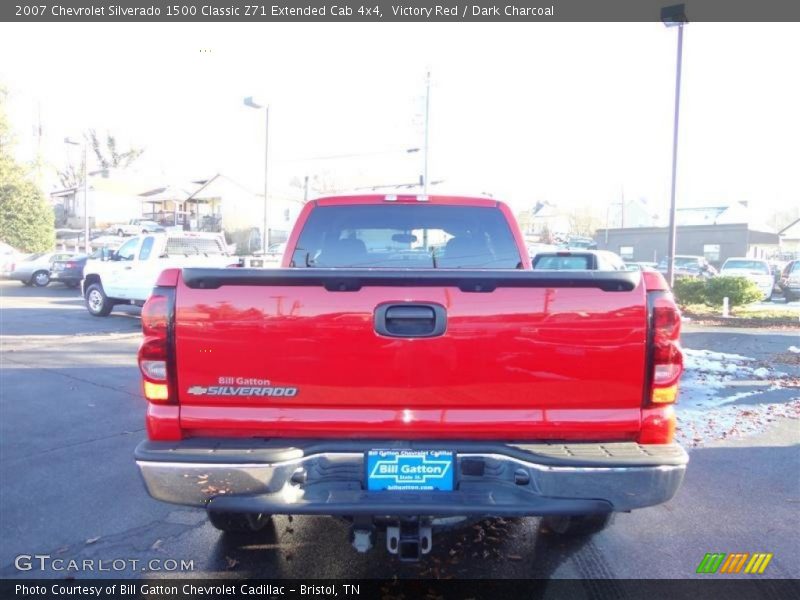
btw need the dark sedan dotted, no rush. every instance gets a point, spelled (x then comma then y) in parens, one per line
(68, 271)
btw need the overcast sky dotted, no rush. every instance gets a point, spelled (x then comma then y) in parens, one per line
(570, 113)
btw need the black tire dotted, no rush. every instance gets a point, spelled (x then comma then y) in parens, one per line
(238, 522)
(28, 283)
(577, 525)
(73, 285)
(41, 278)
(120, 233)
(97, 303)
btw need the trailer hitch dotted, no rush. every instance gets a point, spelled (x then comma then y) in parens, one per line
(409, 539)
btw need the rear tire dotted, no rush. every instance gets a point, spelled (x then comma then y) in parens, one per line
(41, 278)
(28, 283)
(120, 233)
(73, 285)
(97, 303)
(238, 522)
(578, 525)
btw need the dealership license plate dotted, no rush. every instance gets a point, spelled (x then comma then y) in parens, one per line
(412, 470)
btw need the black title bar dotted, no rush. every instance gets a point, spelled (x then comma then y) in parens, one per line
(391, 10)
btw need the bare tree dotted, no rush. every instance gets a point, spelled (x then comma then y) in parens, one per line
(108, 157)
(583, 222)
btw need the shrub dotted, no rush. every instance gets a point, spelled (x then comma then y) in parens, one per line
(26, 219)
(689, 291)
(738, 290)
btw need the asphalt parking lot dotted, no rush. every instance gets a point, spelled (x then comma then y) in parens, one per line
(71, 415)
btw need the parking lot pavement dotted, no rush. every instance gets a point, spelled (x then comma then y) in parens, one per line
(71, 415)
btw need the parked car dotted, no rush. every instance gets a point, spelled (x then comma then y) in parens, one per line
(640, 266)
(137, 226)
(578, 243)
(754, 269)
(593, 260)
(35, 268)
(68, 271)
(460, 386)
(790, 280)
(127, 275)
(689, 266)
(9, 256)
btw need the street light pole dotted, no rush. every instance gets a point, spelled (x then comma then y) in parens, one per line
(252, 104)
(86, 246)
(674, 16)
(425, 147)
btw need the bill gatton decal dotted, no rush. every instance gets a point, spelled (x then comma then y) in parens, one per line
(242, 386)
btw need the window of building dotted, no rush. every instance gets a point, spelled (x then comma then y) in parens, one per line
(711, 252)
(626, 252)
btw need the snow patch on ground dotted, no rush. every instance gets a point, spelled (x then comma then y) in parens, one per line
(707, 411)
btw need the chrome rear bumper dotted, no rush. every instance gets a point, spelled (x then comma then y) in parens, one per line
(494, 479)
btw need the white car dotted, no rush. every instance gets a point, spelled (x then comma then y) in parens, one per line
(127, 275)
(9, 256)
(136, 226)
(35, 268)
(754, 269)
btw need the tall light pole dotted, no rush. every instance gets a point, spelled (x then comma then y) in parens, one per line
(253, 104)
(674, 16)
(87, 248)
(425, 146)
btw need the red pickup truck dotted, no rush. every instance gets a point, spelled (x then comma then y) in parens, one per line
(406, 369)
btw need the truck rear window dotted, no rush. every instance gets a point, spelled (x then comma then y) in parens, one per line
(192, 246)
(418, 236)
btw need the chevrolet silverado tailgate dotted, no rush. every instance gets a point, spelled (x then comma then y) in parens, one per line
(410, 354)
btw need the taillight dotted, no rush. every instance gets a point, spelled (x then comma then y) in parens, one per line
(154, 350)
(667, 358)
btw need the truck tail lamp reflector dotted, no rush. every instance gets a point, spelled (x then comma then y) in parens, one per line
(157, 319)
(667, 355)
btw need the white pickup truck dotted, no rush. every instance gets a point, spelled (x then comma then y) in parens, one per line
(127, 276)
(136, 226)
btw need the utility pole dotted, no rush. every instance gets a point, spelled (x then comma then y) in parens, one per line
(266, 171)
(305, 190)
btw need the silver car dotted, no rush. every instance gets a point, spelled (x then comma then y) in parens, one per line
(754, 269)
(35, 268)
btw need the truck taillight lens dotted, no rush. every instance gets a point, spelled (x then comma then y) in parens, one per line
(667, 358)
(154, 350)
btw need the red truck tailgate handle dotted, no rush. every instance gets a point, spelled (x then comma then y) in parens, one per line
(410, 320)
